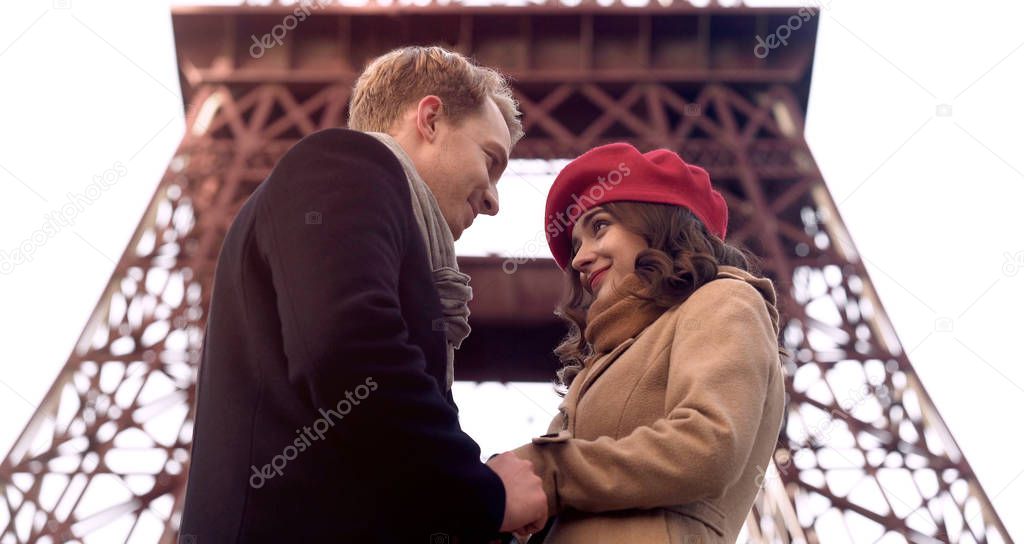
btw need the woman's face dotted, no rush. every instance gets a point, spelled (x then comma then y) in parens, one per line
(604, 251)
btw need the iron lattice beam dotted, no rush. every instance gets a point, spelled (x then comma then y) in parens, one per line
(864, 449)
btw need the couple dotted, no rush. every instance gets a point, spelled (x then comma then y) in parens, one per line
(324, 409)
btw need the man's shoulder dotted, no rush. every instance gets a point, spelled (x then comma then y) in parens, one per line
(338, 135)
(329, 174)
(333, 156)
(345, 145)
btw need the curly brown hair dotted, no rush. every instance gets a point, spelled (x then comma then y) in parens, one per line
(681, 256)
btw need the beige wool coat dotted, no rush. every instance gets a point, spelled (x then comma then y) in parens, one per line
(666, 438)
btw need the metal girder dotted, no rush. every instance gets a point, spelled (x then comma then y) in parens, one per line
(864, 452)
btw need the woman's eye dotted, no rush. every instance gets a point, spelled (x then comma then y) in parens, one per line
(600, 223)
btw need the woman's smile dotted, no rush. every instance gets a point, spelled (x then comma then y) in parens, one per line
(596, 278)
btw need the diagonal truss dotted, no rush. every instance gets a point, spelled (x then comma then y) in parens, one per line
(864, 455)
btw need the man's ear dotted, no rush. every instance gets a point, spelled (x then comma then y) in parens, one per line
(428, 113)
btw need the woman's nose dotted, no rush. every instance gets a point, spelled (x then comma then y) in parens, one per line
(583, 258)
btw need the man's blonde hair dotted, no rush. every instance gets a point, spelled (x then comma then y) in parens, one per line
(395, 80)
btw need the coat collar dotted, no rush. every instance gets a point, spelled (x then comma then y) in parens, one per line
(596, 368)
(601, 364)
(622, 314)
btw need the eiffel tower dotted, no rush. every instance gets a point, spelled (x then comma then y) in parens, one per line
(864, 455)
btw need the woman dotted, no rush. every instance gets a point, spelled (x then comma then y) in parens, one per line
(675, 388)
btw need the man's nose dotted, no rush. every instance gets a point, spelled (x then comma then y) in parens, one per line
(489, 203)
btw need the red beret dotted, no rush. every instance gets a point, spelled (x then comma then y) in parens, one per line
(617, 172)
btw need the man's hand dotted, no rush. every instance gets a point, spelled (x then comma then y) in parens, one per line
(523, 534)
(525, 502)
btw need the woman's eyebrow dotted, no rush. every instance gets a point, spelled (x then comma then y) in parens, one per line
(589, 216)
(585, 221)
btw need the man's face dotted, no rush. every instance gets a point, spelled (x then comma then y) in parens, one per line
(463, 163)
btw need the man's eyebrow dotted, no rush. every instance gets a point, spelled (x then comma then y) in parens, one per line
(498, 152)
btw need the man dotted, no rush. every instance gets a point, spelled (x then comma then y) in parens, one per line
(324, 409)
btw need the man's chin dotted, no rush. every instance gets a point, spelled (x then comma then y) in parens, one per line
(456, 231)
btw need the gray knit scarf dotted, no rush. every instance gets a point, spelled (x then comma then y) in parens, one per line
(452, 285)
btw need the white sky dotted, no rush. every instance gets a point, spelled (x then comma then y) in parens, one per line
(932, 202)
